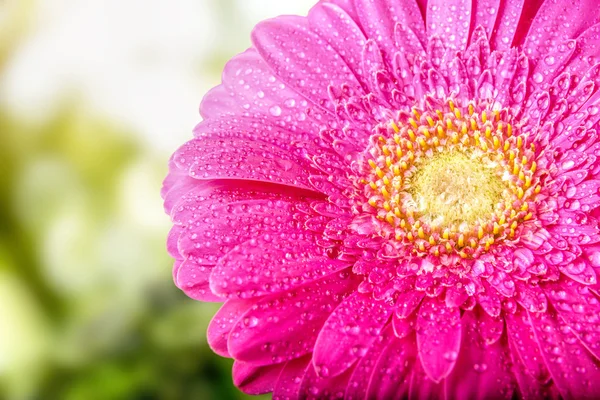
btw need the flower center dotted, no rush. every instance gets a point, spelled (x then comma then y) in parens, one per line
(453, 188)
(448, 180)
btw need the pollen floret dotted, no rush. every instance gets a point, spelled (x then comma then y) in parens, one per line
(451, 179)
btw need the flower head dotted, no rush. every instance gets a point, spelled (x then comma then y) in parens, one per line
(399, 198)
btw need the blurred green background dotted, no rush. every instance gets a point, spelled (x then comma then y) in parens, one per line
(94, 97)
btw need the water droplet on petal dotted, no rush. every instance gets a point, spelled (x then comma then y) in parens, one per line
(275, 111)
(568, 164)
(251, 322)
(451, 356)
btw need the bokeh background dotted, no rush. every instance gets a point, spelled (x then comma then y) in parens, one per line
(94, 97)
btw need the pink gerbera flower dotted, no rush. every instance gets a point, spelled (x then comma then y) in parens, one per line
(399, 199)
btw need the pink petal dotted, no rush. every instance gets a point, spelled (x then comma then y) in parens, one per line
(523, 258)
(407, 302)
(489, 301)
(535, 240)
(489, 328)
(438, 337)
(176, 265)
(421, 387)
(503, 283)
(553, 63)
(172, 239)
(403, 326)
(250, 91)
(586, 188)
(506, 24)
(322, 184)
(215, 221)
(529, 387)
(592, 255)
(293, 137)
(218, 102)
(218, 231)
(562, 138)
(332, 23)
(392, 374)
(358, 384)
(484, 14)
(236, 158)
(580, 271)
(288, 46)
(574, 370)
(529, 9)
(558, 21)
(531, 297)
(269, 264)
(387, 13)
(525, 345)
(285, 326)
(422, 7)
(201, 292)
(407, 42)
(577, 176)
(372, 62)
(176, 185)
(202, 198)
(255, 380)
(290, 380)
(481, 371)
(456, 297)
(349, 333)
(579, 308)
(592, 200)
(315, 387)
(248, 80)
(586, 53)
(192, 278)
(346, 5)
(222, 323)
(450, 20)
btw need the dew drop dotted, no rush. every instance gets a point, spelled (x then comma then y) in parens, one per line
(275, 111)
(323, 371)
(352, 329)
(451, 356)
(568, 164)
(286, 165)
(578, 308)
(480, 367)
(251, 322)
(358, 351)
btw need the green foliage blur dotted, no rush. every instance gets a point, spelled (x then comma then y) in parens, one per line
(88, 309)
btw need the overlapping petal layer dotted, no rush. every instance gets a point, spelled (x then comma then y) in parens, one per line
(327, 293)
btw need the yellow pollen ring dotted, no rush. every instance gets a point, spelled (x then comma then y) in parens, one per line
(446, 181)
